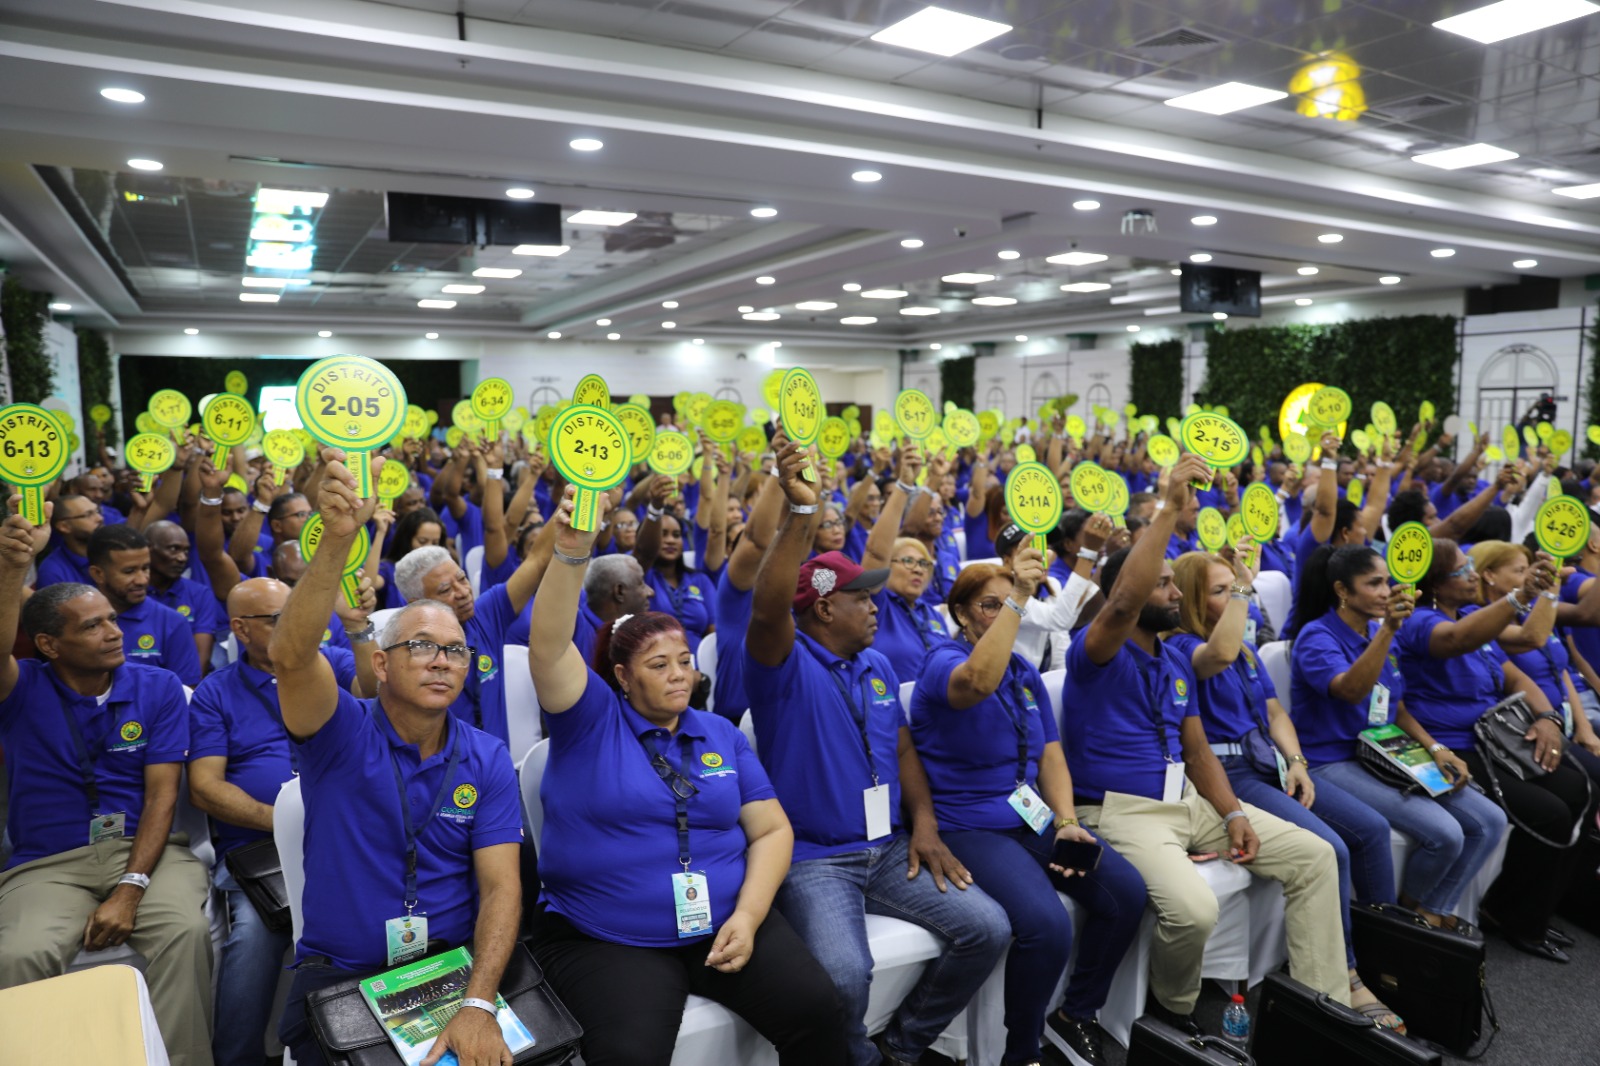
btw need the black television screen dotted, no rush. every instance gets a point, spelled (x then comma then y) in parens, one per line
(510, 222)
(1205, 289)
(423, 219)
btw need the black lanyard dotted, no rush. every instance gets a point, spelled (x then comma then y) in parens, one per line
(1018, 717)
(859, 713)
(1152, 703)
(273, 712)
(682, 789)
(911, 618)
(413, 831)
(474, 690)
(1249, 685)
(86, 761)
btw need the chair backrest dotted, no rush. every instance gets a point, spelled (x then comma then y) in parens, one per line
(706, 659)
(960, 536)
(524, 727)
(230, 647)
(688, 558)
(1275, 658)
(747, 726)
(474, 567)
(381, 617)
(1272, 586)
(995, 559)
(906, 688)
(529, 773)
(289, 833)
(1053, 680)
(949, 623)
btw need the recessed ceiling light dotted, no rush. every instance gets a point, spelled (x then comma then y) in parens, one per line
(1021, 338)
(669, 325)
(1330, 238)
(1009, 253)
(549, 250)
(436, 305)
(1220, 316)
(585, 144)
(699, 340)
(1086, 286)
(1306, 271)
(601, 218)
(554, 335)
(1200, 257)
(123, 96)
(1389, 279)
(941, 32)
(1469, 155)
(763, 212)
(464, 290)
(1085, 205)
(670, 305)
(613, 336)
(994, 301)
(911, 242)
(60, 306)
(144, 164)
(967, 279)
(919, 311)
(192, 332)
(264, 283)
(857, 320)
(1076, 258)
(1442, 253)
(851, 286)
(1133, 329)
(520, 193)
(745, 309)
(430, 336)
(1221, 99)
(766, 279)
(1525, 264)
(1204, 220)
(324, 333)
(866, 176)
(1176, 272)
(1579, 192)
(883, 294)
(816, 305)
(935, 346)
(760, 316)
(1302, 302)
(496, 272)
(1508, 18)
(264, 298)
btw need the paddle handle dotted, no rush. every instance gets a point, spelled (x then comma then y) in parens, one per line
(33, 504)
(360, 464)
(352, 589)
(585, 505)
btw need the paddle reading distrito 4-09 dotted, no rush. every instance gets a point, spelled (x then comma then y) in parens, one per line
(354, 403)
(1410, 553)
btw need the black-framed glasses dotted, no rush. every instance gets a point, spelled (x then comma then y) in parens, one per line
(831, 523)
(990, 606)
(675, 781)
(270, 619)
(428, 651)
(911, 562)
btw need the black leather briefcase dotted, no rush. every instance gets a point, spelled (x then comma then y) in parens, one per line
(1156, 1043)
(1296, 1026)
(259, 873)
(1433, 978)
(350, 1035)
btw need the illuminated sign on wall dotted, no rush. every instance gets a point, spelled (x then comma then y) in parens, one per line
(283, 230)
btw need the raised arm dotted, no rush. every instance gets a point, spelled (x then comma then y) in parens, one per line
(977, 679)
(880, 542)
(490, 465)
(1449, 639)
(708, 484)
(16, 555)
(1325, 504)
(757, 536)
(1466, 516)
(220, 567)
(716, 511)
(1355, 684)
(647, 545)
(977, 488)
(770, 613)
(558, 669)
(1217, 653)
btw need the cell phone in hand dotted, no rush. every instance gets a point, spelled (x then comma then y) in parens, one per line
(1076, 855)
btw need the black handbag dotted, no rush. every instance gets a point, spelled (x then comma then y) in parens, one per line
(259, 872)
(1500, 731)
(1155, 1043)
(1298, 1025)
(349, 1033)
(1433, 978)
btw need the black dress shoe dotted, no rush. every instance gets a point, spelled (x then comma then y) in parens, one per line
(1543, 949)
(1184, 1023)
(1559, 938)
(1078, 1039)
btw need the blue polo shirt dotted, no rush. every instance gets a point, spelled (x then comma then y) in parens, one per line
(733, 606)
(587, 624)
(195, 602)
(143, 721)
(484, 694)
(611, 876)
(1586, 639)
(1123, 719)
(234, 714)
(691, 603)
(1447, 695)
(971, 756)
(156, 635)
(62, 565)
(466, 531)
(979, 546)
(1233, 701)
(855, 541)
(355, 838)
(112, 516)
(1329, 728)
(1545, 666)
(1180, 545)
(392, 597)
(946, 568)
(809, 715)
(906, 632)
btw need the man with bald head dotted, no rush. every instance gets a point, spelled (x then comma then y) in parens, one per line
(239, 756)
(169, 558)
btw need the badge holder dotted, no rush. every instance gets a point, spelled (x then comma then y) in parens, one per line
(1033, 810)
(691, 903)
(108, 827)
(405, 938)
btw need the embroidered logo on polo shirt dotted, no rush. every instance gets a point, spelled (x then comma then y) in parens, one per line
(327, 635)
(460, 808)
(147, 642)
(486, 667)
(130, 737)
(1027, 697)
(711, 759)
(465, 796)
(131, 731)
(879, 687)
(713, 765)
(184, 609)
(1180, 691)
(694, 592)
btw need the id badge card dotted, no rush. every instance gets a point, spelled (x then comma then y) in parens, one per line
(1172, 788)
(691, 903)
(1249, 630)
(1030, 808)
(108, 827)
(405, 938)
(1378, 707)
(1567, 724)
(1283, 768)
(876, 802)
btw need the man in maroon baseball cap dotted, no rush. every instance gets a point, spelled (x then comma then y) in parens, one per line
(831, 572)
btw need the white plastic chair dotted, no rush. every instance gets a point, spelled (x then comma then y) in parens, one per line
(1275, 659)
(706, 660)
(960, 536)
(380, 618)
(474, 568)
(524, 727)
(747, 726)
(289, 833)
(1272, 586)
(906, 688)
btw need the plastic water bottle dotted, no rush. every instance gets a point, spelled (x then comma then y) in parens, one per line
(1236, 1022)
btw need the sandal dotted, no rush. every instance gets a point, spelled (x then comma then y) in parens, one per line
(1376, 1012)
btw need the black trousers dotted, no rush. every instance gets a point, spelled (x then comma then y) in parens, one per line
(629, 1000)
(1535, 876)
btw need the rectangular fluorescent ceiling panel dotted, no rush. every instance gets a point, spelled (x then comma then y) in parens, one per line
(259, 297)
(1076, 259)
(1222, 99)
(1086, 286)
(941, 32)
(967, 279)
(919, 310)
(883, 294)
(1579, 192)
(541, 249)
(496, 272)
(264, 283)
(761, 316)
(464, 290)
(857, 320)
(815, 305)
(601, 218)
(437, 305)
(994, 301)
(1509, 18)
(288, 201)
(1469, 155)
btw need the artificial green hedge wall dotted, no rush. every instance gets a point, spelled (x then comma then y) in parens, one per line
(94, 381)
(1155, 378)
(1401, 361)
(957, 380)
(24, 315)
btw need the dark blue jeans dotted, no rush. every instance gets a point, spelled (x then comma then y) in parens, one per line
(1012, 868)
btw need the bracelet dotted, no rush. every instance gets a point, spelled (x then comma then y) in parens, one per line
(1243, 597)
(652, 513)
(1011, 603)
(139, 881)
(1062, 823)
(909, 490)
(1242, 590)
(1228, 818)
(1301, 759)
(492, 474)
(1516, 604)
(257, 505)
(1090, 554)
(1161, 505)
(803, 508)
(365, 635)
(1437, 748)
(482, 1004)
(211, 501)
(570, 560)
(1551, 716)
(1329, 464)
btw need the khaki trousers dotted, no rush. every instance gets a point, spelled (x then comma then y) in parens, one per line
(45, 906)
(1157, 839)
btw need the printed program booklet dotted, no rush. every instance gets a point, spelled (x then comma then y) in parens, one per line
(1393, 743)
(414, 1003)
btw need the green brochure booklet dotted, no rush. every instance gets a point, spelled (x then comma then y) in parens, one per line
(416, 1001)
(1393, 743)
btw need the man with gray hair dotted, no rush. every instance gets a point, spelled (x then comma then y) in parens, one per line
(613, 587)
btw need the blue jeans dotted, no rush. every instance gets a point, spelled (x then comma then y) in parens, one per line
(827, 901)
(1351, 828)
(247, 978)
(1012, 868)
(1454, 835)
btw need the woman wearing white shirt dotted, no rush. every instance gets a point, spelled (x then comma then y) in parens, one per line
(1049, 617)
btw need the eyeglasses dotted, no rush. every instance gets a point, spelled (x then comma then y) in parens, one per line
(913, 563)
(990, 606)
(427, 650)
(270, 619)
(831, 523)
(1466, 569)
(681, 786)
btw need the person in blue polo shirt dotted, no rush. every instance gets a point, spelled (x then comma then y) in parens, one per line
(1148, 784)
(687, 593)
(72, 524)
(239, 756)
(675, 898)
(94, 751)
(833, 736)
(392, 785)
(735, 589)
(152, 633)
(169, 558)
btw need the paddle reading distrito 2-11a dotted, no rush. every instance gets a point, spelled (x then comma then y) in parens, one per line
(1033, 497)
(354, 403)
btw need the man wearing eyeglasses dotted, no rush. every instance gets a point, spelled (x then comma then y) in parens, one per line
(239, 756)
(72, 524)
(412, 818)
